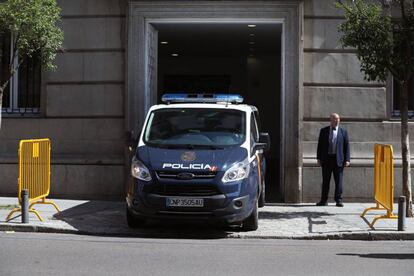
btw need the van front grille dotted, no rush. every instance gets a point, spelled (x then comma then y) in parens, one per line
(183, 190)
(186, 175)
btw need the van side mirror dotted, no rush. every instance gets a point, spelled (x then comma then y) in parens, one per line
(263, 144)
(264, 138)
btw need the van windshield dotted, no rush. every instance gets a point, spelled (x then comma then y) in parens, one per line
(195, 128)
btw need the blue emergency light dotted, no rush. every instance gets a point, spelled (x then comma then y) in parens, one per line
(201, 98)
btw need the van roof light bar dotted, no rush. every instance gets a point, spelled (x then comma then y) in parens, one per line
(201, 98)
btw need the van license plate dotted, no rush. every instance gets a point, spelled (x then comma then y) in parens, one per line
(184, 202)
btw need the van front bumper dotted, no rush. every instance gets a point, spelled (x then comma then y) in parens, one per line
(216, 208)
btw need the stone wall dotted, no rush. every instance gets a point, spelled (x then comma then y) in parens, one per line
(334, 83)
(82, 107)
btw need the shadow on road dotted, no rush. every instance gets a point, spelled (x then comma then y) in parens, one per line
(394, 256)
(314, 218)
(109, 219)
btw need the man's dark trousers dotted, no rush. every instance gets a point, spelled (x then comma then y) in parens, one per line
(331, 167)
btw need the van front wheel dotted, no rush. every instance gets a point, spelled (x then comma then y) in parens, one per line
(251, 223)
(132, 221)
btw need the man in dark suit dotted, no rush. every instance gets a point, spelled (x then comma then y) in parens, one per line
(333, 155)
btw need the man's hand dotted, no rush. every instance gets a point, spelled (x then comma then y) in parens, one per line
(347, 163)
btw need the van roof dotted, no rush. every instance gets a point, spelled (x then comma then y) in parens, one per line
(202, 98)
(219, 105)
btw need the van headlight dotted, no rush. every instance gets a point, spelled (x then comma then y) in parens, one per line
(139, 170)
(238, 171)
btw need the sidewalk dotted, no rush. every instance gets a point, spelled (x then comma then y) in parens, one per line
(277, 221)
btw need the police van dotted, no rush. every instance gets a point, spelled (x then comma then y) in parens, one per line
(199, 156)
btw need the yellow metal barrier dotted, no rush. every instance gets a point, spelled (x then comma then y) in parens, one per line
(34, 174)
(383, 182)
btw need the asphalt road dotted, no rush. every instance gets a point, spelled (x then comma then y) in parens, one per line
(54, 254)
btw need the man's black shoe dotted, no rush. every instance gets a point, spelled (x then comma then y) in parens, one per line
(320, 203)
(339, 204)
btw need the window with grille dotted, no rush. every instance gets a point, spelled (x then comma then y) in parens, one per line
(396, 99)
(22, 94)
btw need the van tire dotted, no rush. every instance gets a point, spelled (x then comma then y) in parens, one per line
(251, 223)
(132, 221)
(262, 197)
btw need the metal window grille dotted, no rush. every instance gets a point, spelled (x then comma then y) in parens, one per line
(396, 99)
(22, 95)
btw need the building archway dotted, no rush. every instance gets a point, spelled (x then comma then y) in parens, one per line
(142, 63)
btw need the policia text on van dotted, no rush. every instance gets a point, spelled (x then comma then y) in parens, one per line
(199, 157)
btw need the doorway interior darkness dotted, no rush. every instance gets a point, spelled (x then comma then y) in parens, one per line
(242, 58)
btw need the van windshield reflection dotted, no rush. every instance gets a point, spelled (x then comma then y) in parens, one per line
(195, 128)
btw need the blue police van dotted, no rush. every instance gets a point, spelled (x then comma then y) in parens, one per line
(199, 157)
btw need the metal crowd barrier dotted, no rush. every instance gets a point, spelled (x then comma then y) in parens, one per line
(383, 182)
(34, 174)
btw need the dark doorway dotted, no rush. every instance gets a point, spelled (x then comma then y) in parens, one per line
(228, 58)
(197, 83)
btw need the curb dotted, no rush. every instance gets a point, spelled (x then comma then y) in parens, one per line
(363, 236)
(35, 229)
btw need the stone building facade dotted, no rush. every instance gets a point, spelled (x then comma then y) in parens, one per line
(105, 82)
